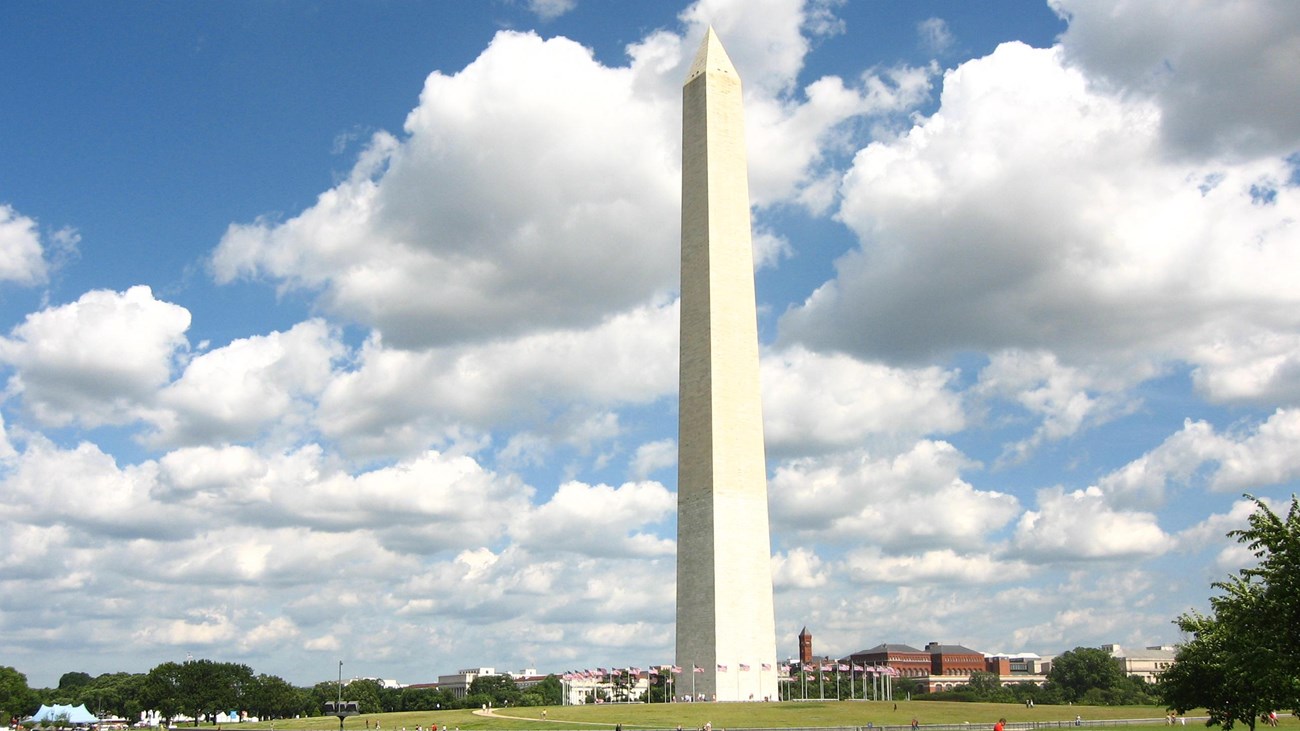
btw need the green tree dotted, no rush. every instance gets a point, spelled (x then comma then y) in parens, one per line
(16, 699)
(273, 697)
(1077, 671)
(445, 700)
(74, 680)
(906, 687)
(369, 694)
(207, 687)
(501, 689)
(1242, 659)
(1207, 673)
(322, 692)
(983, 684)
(419, 699)
(161, 689)
(390, 699)
(114, 694)
(1026, 691)
(1134, 691)
(552, 690)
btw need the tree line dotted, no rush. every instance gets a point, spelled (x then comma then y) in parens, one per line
(203, 688)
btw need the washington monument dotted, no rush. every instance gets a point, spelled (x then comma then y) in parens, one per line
(725, 624)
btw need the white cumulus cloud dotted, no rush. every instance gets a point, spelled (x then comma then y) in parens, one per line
(1081, 526)
(22, 258)
(96, 360)
(1034, 211)
(912, 500)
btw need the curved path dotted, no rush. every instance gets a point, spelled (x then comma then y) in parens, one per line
(493, 713)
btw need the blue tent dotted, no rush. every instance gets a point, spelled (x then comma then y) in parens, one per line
(66, 714)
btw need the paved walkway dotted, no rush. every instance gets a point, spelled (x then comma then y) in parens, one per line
(493, 713)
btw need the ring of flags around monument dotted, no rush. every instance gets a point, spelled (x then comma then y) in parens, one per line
(665, 670)
(653, 672)
(820, 672)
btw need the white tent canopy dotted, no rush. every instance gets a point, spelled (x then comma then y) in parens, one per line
(66, 714)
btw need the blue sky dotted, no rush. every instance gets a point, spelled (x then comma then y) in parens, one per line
(348, 331)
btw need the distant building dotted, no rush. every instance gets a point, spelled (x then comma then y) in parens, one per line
(383, 682)
(952, 665)
(585, 687)
(527, 678)
(1024, 667)
(458, 683)
(941, 667)
(907, 660)
(1147, 663)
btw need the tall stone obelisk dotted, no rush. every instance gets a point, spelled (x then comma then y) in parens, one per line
(725, 623)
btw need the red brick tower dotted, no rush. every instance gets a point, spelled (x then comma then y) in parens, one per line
(805, 647)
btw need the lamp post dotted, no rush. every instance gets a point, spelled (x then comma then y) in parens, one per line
(341, 709)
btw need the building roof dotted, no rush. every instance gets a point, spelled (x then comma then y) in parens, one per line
(1015, 655)
(934, 648)
(887, 647)
(1144, 653)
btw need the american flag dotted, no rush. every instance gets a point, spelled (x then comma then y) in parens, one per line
(857, 668)
(767, 666)
(744, 668)
(722, 668)
(602, 671)
(677, 669)
(697, 668)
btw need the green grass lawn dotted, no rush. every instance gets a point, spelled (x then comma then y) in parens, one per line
(794, 714)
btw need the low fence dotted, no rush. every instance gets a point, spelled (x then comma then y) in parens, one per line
(1009, 726)
(1076, 723)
